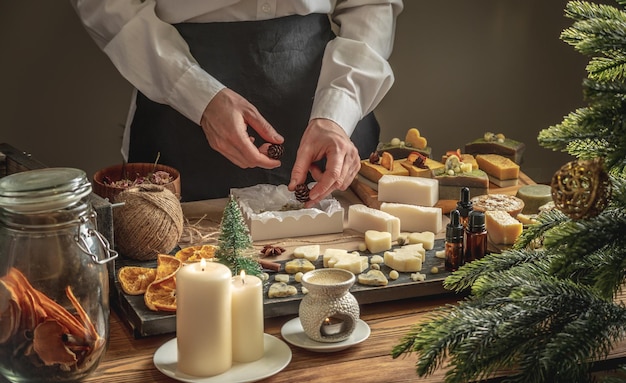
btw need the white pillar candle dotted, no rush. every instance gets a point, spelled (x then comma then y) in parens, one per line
(247, 293)
(203, 319)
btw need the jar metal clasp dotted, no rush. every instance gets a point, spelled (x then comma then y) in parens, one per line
(83, 244)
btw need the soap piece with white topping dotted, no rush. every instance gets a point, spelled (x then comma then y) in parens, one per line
(373, 278)
(281, 290)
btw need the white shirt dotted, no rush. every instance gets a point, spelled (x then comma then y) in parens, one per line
(138, 37)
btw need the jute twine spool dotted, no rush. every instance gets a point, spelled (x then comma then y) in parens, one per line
(150, 222)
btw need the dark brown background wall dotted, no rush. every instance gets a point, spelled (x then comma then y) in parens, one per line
(462, 67)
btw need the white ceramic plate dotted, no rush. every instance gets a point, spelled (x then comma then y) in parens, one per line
(277, 356)
(293, 333)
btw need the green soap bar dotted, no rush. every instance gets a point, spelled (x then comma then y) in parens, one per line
(534, 196)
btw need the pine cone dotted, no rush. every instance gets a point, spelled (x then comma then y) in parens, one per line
(302, 193)
(275, 151)
(374, 158)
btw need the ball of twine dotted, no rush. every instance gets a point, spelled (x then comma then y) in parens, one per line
(150, 222)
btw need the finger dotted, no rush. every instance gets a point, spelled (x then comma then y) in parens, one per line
(300, 168)
(256, 121)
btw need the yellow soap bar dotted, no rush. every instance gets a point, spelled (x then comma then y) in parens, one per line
(498, 166)
(373, 172)
(502, 228)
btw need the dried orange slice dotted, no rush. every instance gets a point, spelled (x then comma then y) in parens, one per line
(196, 253)
(386, 161)
(161, 295)
(167, 266)
(135, 279)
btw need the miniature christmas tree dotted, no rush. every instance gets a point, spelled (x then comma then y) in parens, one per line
(545, 309)
(234, 243)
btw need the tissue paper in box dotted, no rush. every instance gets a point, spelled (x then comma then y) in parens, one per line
(273, 212)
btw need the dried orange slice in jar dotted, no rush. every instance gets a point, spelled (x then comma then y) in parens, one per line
(135, 279)
(161, 295)
(196, 253)
(167, 266)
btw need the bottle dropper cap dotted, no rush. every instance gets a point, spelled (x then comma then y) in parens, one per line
(476, 221)
(464, 206)
(454, 229)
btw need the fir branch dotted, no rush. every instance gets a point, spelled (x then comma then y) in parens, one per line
(609, 68)
(469, 273)
(581, 124)
(534, 233)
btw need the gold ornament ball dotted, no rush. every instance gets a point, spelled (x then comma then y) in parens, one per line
(581, 189)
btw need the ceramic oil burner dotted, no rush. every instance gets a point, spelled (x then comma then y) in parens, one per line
(329, 312)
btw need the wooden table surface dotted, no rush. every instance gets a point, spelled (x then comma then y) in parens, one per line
(129, 360)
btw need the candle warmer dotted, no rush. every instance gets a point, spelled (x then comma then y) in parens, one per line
(329, 312)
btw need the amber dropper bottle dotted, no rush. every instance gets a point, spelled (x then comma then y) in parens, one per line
(464, 205)
(475, 244)
(454, 242)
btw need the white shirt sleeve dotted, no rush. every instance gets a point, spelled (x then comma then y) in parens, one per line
(355, 73)
(149, 53)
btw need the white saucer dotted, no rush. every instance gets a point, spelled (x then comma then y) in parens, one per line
(293, 333)
(277, 356)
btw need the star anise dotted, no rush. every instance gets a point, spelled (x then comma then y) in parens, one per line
(271, 251)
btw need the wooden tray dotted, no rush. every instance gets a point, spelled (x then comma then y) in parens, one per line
(145, 322)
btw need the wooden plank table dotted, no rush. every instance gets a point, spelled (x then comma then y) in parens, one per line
(129, 360)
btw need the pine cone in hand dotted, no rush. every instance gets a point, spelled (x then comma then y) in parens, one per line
(275, 151)
(302, 193)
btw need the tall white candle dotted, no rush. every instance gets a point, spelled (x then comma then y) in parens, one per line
(203, 319)
(248, 334)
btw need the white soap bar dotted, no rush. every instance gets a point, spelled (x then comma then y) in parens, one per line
(415, 218)
(403, 260)
(353, 262)
(308, 252)
(416, 248)
(332, 253)
(377, 241)
(363, 218)
(426, 238)
(410, 190)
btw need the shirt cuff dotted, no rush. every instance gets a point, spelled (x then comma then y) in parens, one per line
(192, 93)
(338, 106)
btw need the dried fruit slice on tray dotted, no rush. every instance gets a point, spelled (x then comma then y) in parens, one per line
(135, 279)
(196, 253)
(167, 266)
(161, 295)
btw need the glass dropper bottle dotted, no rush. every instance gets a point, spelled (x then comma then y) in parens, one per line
(464, 205)
(454, 242)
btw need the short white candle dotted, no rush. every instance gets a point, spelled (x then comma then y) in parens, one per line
(248, 344)
(203, 319)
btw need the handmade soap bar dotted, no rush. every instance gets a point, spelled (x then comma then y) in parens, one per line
(403, 260)
(505, 147)
(408, 190)
(426, 238)
(309, 252)
(450, 185)
(502, 228)
(415, 218)
(350, 261)
(281, 289)
(299, 265)
(362, 218)
(534, 196)
(498, 201)
(377, 241)
(416, 248)
(426, 171)
(499, 168)
(373, 172)
(373, 278)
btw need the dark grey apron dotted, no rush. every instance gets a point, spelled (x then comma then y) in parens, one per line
(274, 64)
